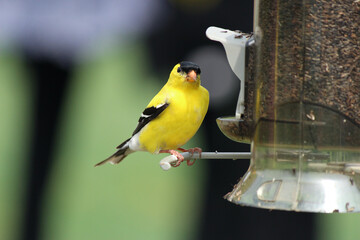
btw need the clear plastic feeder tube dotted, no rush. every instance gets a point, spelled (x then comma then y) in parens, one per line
(306, 145)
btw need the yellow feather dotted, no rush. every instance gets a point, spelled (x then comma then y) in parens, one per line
(188, 104)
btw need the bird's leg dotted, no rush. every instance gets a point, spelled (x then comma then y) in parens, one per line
(192, 151)
(176, 154)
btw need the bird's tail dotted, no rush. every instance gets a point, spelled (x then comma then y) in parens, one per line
(119, 155)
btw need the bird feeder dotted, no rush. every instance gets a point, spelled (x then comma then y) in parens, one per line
(299, 105)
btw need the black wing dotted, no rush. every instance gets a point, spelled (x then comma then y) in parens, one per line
(149, 114)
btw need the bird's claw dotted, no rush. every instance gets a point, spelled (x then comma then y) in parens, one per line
(176, 164)
(191, 151)
(188, 162)
(177, 155)
(181, 157)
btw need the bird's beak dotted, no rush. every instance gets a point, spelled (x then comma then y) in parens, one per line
(191, 76)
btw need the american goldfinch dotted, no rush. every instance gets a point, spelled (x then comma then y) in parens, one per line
(171, 118)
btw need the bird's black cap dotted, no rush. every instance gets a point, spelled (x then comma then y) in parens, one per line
(187, 66)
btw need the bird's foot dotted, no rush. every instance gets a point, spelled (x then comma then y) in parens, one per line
(192, 151)
(177, 155)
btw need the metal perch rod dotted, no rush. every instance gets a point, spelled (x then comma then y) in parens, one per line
(165, 163)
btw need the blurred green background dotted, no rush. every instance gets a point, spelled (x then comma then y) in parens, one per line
(132, 200)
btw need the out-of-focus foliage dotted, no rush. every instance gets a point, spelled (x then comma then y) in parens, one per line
(15, 120)
(338, 226)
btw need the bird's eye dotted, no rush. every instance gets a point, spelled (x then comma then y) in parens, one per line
(179, 69)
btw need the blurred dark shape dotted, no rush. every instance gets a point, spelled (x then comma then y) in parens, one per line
(50, 81)
(184, 33)
(185, 30)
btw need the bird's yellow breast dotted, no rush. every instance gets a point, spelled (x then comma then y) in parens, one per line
(179, 121)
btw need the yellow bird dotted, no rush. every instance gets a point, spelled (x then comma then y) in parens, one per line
(171, 118)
